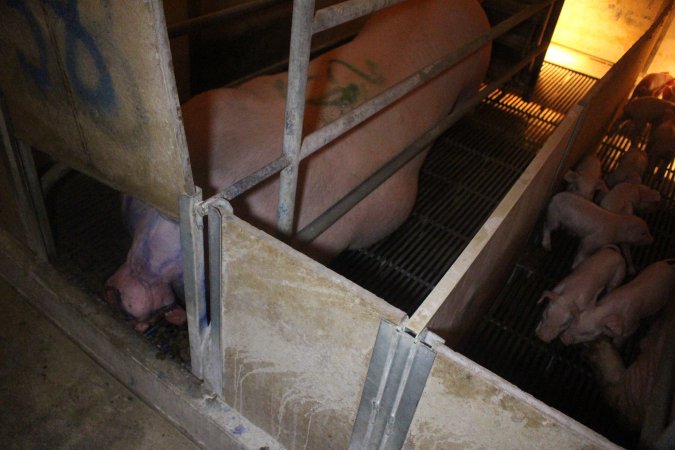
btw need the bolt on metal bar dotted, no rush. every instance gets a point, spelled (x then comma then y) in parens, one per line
(340, 208)
(301, 36)
(215, 18)
(335, 15)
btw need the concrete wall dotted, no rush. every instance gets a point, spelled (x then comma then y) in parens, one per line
(604, 29)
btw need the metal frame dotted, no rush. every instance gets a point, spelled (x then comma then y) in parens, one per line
(398, 371)
(28, 190)
(206, 335)
(295, 148)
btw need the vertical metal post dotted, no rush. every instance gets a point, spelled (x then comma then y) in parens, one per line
(214, 363)
(301, 38)
(35, 191)
(29, 198)
(194, 278)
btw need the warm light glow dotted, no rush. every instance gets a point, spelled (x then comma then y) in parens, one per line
(577, 61)
(562, 57)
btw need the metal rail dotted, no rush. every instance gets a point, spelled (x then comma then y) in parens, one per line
(326, 134)
(218, 17)
(300, 42)
(341, 207)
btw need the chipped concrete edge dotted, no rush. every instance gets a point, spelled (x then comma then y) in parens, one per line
(162, 384)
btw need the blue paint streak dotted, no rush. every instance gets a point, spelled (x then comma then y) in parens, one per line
(39, 73)
(239, 430)
(103, 94)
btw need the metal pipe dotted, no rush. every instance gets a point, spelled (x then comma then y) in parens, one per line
(301, 37)
(340, 13)
(53, 175)
(214, 346)
(256, 177)
(340, 208)
(326, 134)
(218, 17)
(194, 278)
(25, 155)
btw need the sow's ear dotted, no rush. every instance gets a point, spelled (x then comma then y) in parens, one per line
(613, 325)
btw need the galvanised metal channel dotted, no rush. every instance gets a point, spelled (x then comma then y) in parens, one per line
(465, 176)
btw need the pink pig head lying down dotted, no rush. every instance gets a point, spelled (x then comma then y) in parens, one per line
(232, 132)
(618, 313)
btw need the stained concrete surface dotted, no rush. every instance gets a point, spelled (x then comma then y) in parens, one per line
(53, 395)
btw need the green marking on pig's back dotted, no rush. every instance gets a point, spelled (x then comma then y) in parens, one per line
(340, 94)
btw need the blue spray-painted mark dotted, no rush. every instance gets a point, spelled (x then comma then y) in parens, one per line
(102, 94)
(40, 72)
(239, 430)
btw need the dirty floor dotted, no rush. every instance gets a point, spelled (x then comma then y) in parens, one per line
(52, 395)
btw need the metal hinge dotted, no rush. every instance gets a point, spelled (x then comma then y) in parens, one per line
(398, 371)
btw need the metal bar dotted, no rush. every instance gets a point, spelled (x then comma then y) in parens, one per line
(256, 177)
(214, 363)
(25, 153)
(194, 278)
(26, 212)
(326, 134)
(340, 208)
(283, 64)
(301, 36)
(53, 175)
(218, 17)
(399, 367)
(340, 13)
(338, 127)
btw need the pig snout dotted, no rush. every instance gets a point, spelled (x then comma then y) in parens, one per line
(555, 317)
(137, 295)
(142, 287)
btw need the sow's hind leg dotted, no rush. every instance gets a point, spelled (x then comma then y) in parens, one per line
(143, 284)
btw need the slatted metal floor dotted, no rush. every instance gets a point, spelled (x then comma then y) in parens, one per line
(504, 341)
(467, 173)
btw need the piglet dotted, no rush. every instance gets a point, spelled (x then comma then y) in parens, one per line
(586, 178)
(618, 313)
(602, 271)
(594, 225)
(652, 84)
(631, 167)
(642, 111)
(625, 198)
(661, 144)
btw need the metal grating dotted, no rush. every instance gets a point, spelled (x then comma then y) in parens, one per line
(496, 142)
(504, 341)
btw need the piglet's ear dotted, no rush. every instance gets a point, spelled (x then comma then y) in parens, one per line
(613, 325)
(550, 295)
